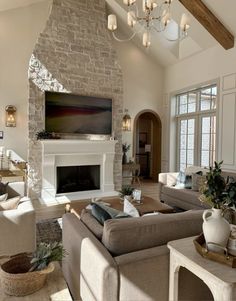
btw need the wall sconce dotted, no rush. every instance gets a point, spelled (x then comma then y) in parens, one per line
(126, 122)
(10, 116)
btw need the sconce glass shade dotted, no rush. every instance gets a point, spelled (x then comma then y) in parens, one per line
(126, 123)
(10, 116)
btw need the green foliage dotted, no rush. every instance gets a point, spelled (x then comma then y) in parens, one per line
(125, 147)
(126, 190)
(218, 191)
(45, 254)
(43, 135)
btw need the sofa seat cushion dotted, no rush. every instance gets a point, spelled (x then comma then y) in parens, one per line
(91, 223)
(185, 195)
(138, 233)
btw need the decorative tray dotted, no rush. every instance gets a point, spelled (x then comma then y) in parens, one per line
(200, 245)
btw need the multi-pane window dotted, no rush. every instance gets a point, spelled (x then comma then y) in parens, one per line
(196, 120)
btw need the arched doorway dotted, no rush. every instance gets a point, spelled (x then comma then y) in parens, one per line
(147, 143)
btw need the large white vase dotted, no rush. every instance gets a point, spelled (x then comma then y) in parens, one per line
(215, 229)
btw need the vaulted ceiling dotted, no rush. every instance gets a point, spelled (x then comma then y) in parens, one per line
(163, 51)
(199, 39)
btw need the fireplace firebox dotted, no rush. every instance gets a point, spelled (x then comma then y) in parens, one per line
(78, 178)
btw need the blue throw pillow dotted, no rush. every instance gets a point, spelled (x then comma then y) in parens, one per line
(184, 181)
(102, 213)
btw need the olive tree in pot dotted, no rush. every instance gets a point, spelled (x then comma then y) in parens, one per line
(220, 193)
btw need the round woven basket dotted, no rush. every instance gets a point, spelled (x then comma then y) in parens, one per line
(17, 281)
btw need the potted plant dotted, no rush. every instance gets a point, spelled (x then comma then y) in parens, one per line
(127, 192)
(125, 149)
(24, 274)
(219, 193)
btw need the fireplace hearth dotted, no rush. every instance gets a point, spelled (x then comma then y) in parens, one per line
(78, 178)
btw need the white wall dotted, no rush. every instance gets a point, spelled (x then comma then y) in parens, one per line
(19, 29)
(213, 64)
(143, 83)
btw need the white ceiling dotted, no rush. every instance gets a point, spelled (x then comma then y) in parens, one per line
(164, 52)
(11, 4)
(167, 53)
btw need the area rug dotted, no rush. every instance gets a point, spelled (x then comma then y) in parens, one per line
(49, 230)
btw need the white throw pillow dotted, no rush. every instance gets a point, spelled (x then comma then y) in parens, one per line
(171, 179)
(130, 209)
(193, 169)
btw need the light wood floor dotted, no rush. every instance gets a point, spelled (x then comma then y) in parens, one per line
(148, 187)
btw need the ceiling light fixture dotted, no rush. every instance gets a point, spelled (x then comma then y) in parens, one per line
(154, 17)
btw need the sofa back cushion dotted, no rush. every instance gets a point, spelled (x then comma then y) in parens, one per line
(134, 234)
(91, 223)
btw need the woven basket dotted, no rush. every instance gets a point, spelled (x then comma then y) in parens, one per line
(17, 281)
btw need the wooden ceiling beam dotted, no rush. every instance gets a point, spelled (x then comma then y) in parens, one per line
(211, 23)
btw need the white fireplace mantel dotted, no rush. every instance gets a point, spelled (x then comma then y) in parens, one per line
(57, 153)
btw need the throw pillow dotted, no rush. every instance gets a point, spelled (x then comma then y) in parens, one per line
(180, 179)
(170, 180)
(130, 209)
(3, 188)
(3, 197)
(197, 181)
(102, 213)
(188, 182)
(10, 204)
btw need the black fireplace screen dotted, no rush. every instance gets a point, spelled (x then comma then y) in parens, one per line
(78, 178)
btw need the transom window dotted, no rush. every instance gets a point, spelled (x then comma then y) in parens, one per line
(196, 123)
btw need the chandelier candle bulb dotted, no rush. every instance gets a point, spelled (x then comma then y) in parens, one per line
(184, 23)
(131, 18)
(166, 18)
(112, 22)
(146, 39)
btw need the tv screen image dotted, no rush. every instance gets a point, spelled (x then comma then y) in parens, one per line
(75, 114)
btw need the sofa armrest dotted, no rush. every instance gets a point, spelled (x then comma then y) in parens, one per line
(18, 230)
(168, 178)
(84, 253)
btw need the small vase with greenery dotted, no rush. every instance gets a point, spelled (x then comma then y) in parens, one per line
(126, 191)
(125, 149)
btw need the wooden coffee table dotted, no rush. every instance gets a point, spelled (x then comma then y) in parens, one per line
(148, 205)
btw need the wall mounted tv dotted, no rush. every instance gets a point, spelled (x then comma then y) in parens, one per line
(71, 114)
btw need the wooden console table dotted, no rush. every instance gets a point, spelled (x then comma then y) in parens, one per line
(131, 171)
(220, 279)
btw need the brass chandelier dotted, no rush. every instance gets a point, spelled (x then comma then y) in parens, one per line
(156, 16)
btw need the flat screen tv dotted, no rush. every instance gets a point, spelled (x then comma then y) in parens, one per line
(77, 115)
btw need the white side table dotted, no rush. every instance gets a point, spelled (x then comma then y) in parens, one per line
(220, 279)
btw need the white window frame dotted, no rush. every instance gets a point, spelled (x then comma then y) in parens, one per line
(197, 115)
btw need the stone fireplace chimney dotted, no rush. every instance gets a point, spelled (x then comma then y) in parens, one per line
(73, 54)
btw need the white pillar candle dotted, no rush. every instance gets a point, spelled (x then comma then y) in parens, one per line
(112, 22)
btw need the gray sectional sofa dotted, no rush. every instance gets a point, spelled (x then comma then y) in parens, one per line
(186, 199)
(175, 196)
(127, 259)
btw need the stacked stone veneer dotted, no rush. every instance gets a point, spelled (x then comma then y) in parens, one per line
(74, 54)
